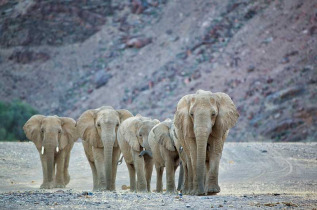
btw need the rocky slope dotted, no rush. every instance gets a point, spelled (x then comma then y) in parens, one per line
(147, 54)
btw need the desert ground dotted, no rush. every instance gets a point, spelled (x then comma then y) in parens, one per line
(252, 175)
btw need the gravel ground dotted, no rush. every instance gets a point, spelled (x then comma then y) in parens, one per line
(265, 175)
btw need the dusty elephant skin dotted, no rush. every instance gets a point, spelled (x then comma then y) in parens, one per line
(54, 138)
(165, 155)
(202, 122)
(133, 138)
(98, 129)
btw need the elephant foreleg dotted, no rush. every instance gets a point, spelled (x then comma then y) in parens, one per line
(60, 162)
(180, 177)
(214, 160)
(115, 159)
(170, 175)
(98, 155)
(193, 159)
(139, 166)
(159, 174)
(94, 175)
(132, 177)
(67, 158)
(189, 174)
(148, 172)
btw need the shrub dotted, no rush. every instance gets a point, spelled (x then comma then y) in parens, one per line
(12, 118)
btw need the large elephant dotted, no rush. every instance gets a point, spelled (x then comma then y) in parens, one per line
(98, 130)
(202, 122)
(54, 138)
(165, 154)
(133, 141)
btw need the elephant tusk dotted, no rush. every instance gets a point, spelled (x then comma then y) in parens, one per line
(57, 149)
(42, 152)
(180, 149)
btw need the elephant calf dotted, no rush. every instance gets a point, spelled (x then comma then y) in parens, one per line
(163, 145)
(133, 139)
(98, 129)
(54, 138)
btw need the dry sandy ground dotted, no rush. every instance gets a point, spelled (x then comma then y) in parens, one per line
(252, 175)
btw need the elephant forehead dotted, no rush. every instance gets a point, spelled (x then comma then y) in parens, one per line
(108, 116)
(51, 121)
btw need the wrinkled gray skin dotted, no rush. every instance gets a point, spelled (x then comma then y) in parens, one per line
(98, 129)
(133, 142)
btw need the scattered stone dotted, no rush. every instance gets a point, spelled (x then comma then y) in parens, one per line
(138, 42)
(101, 78)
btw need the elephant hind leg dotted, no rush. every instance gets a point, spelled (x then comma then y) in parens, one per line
(132, 177)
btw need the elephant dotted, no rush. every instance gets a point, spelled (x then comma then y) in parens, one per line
(165, 154)
(202, 121)
(133, 142)
(54, 138)
(98, 130)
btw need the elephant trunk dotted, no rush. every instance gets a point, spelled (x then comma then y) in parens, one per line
(50, 164)
(108, 142)
(202, 135)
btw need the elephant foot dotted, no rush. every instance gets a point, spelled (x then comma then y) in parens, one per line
(66, 178)
(47, 185)
(59, 185)
(213, 189)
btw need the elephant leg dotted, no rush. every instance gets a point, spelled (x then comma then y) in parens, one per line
(98, 155)
(193, 159)
(66, 164)
(214, 160)
(185, 188)
(159, 177)
(60, 162)
(170, 175)
(94, 175)
(132, 177)
(206, 173)
(148, 172)
(139, 166)
(44, 170)
(180, 176)
(189, 174)
(115, 158)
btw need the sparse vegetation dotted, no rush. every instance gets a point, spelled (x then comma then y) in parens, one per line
(12, 118)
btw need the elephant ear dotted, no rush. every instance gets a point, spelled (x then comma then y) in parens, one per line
(124, 114)
(32, 130)
(227, 112)
(87, 130)
(130, 134)
(182, 120)
(162, 136)
(70, 133)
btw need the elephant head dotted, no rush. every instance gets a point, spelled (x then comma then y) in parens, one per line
(201, 115)
(163, 135)
(99, 128)
(138, 131)
(50, 134)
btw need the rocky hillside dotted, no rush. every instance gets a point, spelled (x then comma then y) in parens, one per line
(144, 55)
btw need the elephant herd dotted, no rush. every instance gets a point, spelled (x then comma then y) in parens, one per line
(193, 140)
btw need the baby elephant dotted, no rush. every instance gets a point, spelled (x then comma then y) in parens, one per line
(163, 145)
(133, 139)
(54, 138)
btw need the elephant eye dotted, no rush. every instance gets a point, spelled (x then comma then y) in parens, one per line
(191, 114)
(140, 134)
(213, 114)
(42, 130)
(59, 131)
(117, 124)
(98, 124)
